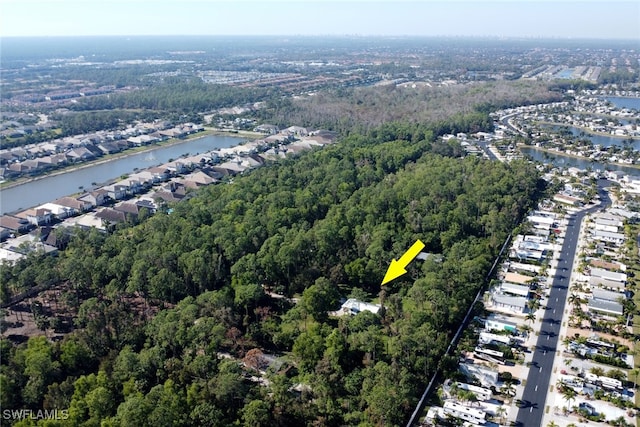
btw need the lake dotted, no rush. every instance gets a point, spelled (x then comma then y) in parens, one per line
(565, 161)
(624, 102)
(49, 188)
(603, 140)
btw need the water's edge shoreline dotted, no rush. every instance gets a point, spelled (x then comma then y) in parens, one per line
(242, 136)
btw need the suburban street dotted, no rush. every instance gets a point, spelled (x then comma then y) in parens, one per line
(535, 392)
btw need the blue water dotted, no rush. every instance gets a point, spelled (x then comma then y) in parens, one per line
(565, 161)
(605, 141)
(624, 102)
(49, 188)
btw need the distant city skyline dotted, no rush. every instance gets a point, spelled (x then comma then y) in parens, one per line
(511, 19)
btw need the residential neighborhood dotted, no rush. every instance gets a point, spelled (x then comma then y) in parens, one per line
(144, 192)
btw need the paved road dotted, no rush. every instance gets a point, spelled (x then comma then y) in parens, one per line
(535, 392)
(505, 122)
(489, 153)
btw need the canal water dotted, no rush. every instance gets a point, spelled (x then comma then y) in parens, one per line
(49, 188)
(565, 161)
(602, 140)
(624, 102)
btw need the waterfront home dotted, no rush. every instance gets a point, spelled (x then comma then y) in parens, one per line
(116, 191)
(54, 160)
(95, 198)
(80, 154)
(144, 139)
(59, 211)
(38, 216)
(111, 147)
(71, 202)
(177, 167)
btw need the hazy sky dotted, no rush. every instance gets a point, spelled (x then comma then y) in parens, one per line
(508, 18)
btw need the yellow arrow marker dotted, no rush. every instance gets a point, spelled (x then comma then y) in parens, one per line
(398, 268)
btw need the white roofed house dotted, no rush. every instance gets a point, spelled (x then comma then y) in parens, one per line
(599, 282)
(70, 202)
(498, 323)
(354, 306)
(59, 211)
(116, 191)
(609, 237)
(142, 139)
(545, 221)
(514, 289)
(613, 276)
(608, 223)
(569, 200)
(515, 304)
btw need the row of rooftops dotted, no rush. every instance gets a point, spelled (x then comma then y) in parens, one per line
(165, 183)
(36, 158)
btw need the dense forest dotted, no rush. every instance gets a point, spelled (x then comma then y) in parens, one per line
(458, 108)
(449, 109)
(176, 317)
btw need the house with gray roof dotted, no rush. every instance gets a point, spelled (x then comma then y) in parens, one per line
(611, 308)
(608, 275)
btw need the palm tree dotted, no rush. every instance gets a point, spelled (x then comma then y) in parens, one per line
(552, 424)
(530, 317)
(569, 394)
(501, 412)
(574, 299)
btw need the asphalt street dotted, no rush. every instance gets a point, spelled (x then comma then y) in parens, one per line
(535, 392)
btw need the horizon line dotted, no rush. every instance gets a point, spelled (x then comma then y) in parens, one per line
(457, 36)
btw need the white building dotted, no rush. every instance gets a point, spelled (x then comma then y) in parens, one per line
(607, 236)
(608, 275)
(353, 306)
